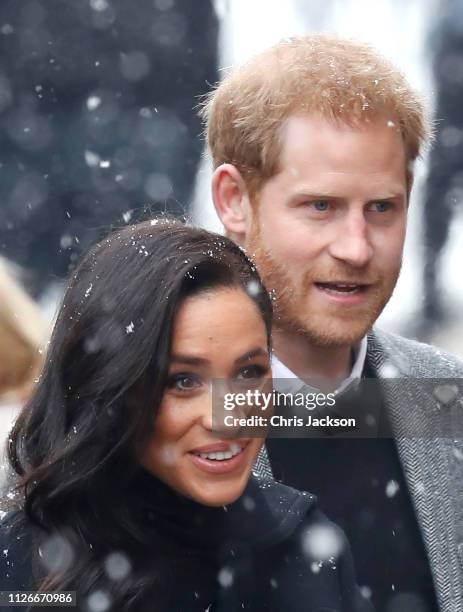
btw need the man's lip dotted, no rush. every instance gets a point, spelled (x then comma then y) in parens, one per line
(341, 282)
(220, 446)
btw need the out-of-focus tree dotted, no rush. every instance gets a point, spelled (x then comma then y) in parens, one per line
(96, 118)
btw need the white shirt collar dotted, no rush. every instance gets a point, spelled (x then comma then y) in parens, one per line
(288, 381)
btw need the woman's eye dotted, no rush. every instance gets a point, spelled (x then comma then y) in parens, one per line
(183, 382)
(251, 372)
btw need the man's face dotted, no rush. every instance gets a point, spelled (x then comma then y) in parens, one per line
(328, 229)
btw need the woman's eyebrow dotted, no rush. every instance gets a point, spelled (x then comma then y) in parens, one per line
(257, 352)
(189, 360)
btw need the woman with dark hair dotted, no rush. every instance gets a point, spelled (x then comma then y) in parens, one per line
(124, 492)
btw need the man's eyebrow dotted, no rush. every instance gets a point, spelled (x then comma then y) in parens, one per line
(257, 352)
(390, 196)
(321, 194)
(315, 193)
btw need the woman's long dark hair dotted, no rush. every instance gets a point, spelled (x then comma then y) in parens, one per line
(74, 446)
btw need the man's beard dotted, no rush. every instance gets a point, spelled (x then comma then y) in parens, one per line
(332, 326)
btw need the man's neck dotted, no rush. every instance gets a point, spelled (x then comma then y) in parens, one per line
(307, 360)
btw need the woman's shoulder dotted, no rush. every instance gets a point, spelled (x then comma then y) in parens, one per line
(290, 511)
(309, 556)
(285, 497)
(302, 524)
(299, 552)
(268, 512)
(15, 553)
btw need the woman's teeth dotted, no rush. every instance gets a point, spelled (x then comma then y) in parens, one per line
(221, 455)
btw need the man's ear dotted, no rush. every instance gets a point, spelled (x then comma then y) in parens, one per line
(231, 201)
(410, 179)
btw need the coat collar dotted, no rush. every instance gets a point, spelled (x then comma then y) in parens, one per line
(266, 513)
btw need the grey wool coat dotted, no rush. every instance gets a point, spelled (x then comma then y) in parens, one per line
(422, 389)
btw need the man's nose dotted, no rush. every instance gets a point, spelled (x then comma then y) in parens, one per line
(351, 243)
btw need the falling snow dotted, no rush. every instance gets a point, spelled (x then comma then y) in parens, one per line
(445, 393)
(322, 542)
(225, 577)
(248, 503)
(253, 288)
(93, 102)
(56, 553)
(98, 601)
(117, 566)
(388, 370)
(91, 159)
(392, 488)
(458, 454)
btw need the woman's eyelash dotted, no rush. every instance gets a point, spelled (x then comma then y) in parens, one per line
(175, 380)
(184, 381)
(256, 371)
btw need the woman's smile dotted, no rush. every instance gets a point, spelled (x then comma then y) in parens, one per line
(220, 458)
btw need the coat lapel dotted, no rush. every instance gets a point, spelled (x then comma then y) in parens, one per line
(425, 420)
(428, 428)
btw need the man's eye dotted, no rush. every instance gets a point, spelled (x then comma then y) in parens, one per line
(251, 372)
(380, 207)
(183, 382)
(320, 205)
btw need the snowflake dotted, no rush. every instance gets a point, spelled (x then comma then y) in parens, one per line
(322, 542)
(225, 577)
(392, 488)
(91, 159)
(98, 601)
(458, 454)
(253, 288)
(93, 102)
(117, 566)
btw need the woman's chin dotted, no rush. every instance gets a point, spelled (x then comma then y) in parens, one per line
(216, 494)
(218, 501)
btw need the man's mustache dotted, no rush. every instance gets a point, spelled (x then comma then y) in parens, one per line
(342, 276)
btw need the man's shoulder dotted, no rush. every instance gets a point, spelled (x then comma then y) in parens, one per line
(411, 357)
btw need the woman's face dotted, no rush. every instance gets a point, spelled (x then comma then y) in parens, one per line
(217, 334)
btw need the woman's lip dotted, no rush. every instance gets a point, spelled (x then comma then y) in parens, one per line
(215, 466)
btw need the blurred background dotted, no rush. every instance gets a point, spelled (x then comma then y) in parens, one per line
(98, 129)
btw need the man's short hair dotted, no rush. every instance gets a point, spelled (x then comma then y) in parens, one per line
(337, 79)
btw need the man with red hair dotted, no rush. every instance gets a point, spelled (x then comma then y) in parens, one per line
(313, 143)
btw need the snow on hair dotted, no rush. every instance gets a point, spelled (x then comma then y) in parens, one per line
(339, 79)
